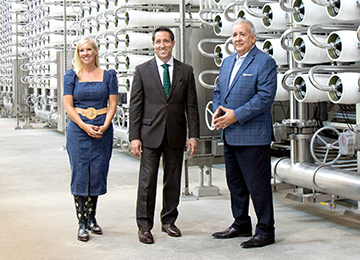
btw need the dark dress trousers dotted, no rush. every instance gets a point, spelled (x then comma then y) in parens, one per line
(162, 126)
(247, 141)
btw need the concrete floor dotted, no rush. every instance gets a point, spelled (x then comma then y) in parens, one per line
(38, 220)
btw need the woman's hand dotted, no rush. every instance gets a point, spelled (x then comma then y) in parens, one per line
(92, 131)
(102, 128)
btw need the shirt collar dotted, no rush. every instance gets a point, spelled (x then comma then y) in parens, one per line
(160, 62)
(245, 55)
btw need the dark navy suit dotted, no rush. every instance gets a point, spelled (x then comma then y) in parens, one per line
(247, 141)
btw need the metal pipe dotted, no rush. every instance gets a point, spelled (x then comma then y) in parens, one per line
(287, 74)
(122, 30)
(326, 179)
(324, 68)
(285, 35)
(182, 28)
(125, 7)
(326, 27)
(322, 2)
(204, 11)
(202, 82)
(285, 8)
(227, 44)
(206, 54)
(228, 8)
(251, 12)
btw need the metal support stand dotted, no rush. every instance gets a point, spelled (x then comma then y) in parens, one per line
(209, 190)
(309, 197)
(27, 124)
(354, 213)
(17, 122)
(187, 195)
(202, 160)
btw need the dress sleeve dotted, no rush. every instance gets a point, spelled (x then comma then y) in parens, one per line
(69, 82)
(112, 82)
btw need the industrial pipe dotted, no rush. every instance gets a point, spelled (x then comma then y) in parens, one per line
(325, 68)
(325, 179)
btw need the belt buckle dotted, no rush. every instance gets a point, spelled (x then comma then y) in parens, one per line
(90, 113)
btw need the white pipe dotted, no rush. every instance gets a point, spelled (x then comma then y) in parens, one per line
(122, 88)
(134, 18)
(281, 93)
(256, 21)
(274, 17)
(311, 13)
(59, 39)
(306, 92)
(223, 2)
(138, 41)
(311, 53)
(349, 11)
(129, 62)
(13, 50)
(345, 46)
(53, 24)
(222, 26)
(56, 11)
(133, 60)
(161, 2)
(347, 88)
(221, 53)
(274, 49)
(18, 7)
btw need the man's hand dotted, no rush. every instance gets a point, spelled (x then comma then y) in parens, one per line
(136, 147)
(192, 146)
(221, 122)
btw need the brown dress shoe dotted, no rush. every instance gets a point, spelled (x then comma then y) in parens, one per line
(145, 237)
(171, 230)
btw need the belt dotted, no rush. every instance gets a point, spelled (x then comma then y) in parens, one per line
(91, 112)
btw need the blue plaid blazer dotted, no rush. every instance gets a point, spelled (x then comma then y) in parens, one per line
(250, 95)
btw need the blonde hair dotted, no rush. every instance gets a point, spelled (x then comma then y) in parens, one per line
(78, 66)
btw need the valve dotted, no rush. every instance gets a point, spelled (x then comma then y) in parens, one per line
(209, 113)
(319, 141)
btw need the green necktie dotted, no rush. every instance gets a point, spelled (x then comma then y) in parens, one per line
(166, 79)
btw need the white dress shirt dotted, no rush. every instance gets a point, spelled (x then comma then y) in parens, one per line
(237, 65)
(161, 69)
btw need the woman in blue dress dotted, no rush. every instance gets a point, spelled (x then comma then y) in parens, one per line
(90, 98)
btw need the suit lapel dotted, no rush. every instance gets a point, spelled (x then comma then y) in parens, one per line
(249, 58)
(157, 80)
(232, 62)
(176, 76)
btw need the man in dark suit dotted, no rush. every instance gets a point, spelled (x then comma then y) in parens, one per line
(159, 121)
(242, 103)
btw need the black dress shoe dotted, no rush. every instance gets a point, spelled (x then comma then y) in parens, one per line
(171, 230)
(145, 237)
(258, 241)
(232, 232)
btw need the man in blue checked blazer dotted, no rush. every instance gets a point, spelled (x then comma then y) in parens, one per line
(242, 103)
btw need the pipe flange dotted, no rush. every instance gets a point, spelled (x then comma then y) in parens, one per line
(298, 123)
